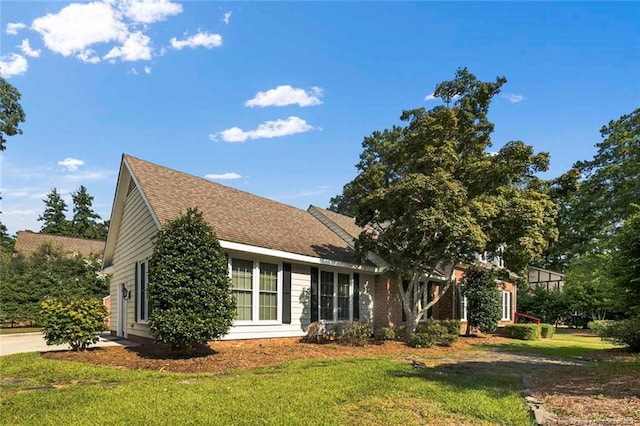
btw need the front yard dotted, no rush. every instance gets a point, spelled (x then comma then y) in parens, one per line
(477, 381)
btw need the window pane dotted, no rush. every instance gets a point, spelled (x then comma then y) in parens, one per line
(243, 305)
(241, 274)
(268, 277)
(343, 296)
(326, 295)
(268, 306)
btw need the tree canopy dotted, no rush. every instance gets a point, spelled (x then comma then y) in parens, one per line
(430, 193)
(54, 216)
(11, 113)
(189, 286)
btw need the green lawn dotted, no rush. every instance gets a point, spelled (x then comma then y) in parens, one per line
(348, 391)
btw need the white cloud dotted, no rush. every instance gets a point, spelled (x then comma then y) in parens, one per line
(223, 176)
(513, 98)
(149, 11)
(304, 194)
(89, 175)
(202, 39)
(147, 70)
(71, 164)
(227, 17)
(13, 64)
(286, 95)
(20, 212)
(430, 97)
(14, 27)
(27, 50)
(78, 26)
(133, 71)
(268, 130)
(88, 56)
(135, 48)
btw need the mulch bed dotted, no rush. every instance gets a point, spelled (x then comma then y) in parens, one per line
(245, 354)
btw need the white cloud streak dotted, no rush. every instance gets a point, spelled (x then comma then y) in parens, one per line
(147, 70)
(223, 176)
(14, 27)
(88, 56)
(149, 11)
(13, 64)
(430, 97)
(286, 95)
(27, 50)
(135, 48)
(227, 17)
(201, 39)
(71, 164)
(267, 130)
(513, 98)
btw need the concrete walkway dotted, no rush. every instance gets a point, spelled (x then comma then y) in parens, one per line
(34, 342)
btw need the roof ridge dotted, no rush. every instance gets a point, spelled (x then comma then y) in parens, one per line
(60, 236)
(331, 211)
(216, 183)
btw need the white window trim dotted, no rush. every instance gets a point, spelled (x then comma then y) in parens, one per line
(465, 309)
(506, 307)
(335, 273)
(255, 291)
(139, 319)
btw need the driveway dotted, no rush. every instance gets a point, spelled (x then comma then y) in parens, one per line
(34, 342)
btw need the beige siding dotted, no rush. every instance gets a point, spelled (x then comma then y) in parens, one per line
(134, 244)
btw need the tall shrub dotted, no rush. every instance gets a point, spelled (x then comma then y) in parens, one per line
(189, 285)
(483, 299)
(76, 321)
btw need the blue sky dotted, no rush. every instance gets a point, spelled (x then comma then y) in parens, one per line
(275, 98)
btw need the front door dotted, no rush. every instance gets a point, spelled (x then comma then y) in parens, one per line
(123, 296)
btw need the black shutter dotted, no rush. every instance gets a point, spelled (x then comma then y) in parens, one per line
(314, 294)
(135, 290)
(286, 293)
(356, 296)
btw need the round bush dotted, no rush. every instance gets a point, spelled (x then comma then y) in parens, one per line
(385, 333)
(547, 331)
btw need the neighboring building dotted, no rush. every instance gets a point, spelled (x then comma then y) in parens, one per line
(550, 280)
(28, 242)
(288, 267)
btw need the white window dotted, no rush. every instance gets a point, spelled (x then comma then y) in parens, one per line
(463, 308)
(142, 298)
(256, 287)
(506, 306)
(336, 292)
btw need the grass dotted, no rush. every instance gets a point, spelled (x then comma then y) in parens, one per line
(344, 391)
(19, 330)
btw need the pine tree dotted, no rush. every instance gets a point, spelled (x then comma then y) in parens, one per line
(85, 221)
(54, 216)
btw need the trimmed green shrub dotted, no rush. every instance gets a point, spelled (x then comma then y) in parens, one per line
(424, 340)
(522, 331)
(74, 321)
(448, 339)
(352, 333)
(452, 326)
(385, 333)
(547, 331)
(484, 304)
(625, 332)
(189, 286)
(599, 326)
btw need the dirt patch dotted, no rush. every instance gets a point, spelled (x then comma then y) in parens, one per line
(225, 356)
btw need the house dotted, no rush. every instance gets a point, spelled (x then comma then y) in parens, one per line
(549, 280)
(307, 257)
(28, 242)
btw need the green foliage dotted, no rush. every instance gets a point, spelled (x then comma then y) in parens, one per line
(431, 193)
(589, 289)
(523, 331)
(431, 332)
(352, 333)
(85, 221)
(547, 331)
(74, 321)
(599, 326)
(11, 113)
(549, 306)
(625, 332)
(424, 340)
(54, 216)
(189, 285)
(625, 265)
(484, 306)
(25, 282)
(452, 326)
(385, 333)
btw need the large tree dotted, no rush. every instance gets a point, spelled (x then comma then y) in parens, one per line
(189, 286)
(626, 264)
(431, 194)
(54, 216)
(85, 221)
(11, 113)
